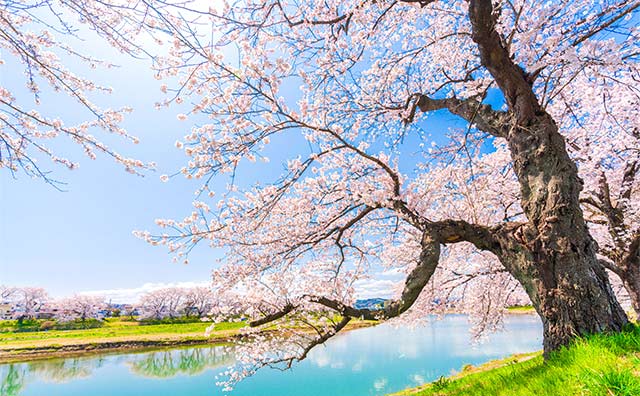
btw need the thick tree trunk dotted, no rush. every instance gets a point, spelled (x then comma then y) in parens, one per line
(552, 254)
(556, 256)
(573, 298)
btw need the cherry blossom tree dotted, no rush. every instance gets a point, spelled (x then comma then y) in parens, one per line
(80, 307)
(153, 305)
(29, 301)
(370, 76)
(162, 303)
(609, 162)
(198, 300)
(6, 292)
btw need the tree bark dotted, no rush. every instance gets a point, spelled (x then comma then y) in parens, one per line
(557, 255)
(553, 255)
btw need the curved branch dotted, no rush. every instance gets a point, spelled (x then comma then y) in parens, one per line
(511, 78)
(473, 111)
(436, 234)
(273, 317)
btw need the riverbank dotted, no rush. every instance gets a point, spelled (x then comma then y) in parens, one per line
(599, 365)
(117, 336)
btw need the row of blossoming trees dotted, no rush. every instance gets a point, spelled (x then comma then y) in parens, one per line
(533, 191)
(172, 302)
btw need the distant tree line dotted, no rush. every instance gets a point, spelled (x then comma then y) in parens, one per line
(28, 303)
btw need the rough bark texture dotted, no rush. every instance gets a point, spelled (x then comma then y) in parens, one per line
(554, 256)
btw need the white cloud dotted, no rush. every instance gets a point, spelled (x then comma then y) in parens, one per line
(375, 288)
(132, 295)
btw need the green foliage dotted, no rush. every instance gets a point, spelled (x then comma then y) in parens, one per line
(37, 325)
(79, 324)
(598, 365)
(20, 326)
(47, 325)
(114, 328)
(126, 318)
(441, 383)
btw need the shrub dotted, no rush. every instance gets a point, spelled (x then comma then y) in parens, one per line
(440, 383)
(79, 324)
(47, 325)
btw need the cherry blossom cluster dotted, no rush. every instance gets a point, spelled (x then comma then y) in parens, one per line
(35, 41)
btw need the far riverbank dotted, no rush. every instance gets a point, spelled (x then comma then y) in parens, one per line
(117, 336)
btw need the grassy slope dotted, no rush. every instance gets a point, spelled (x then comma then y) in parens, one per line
(600, 365)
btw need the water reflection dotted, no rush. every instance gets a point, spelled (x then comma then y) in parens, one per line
(61, 371)
(158, 364)
(12, 378)
(166, 364)
(372, 361)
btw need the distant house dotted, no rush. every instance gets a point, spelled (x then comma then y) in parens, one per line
(45, 315)
(47, 312)
(6, 311)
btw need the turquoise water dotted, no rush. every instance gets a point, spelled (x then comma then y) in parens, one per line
(371, 361)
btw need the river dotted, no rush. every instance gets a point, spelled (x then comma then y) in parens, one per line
(370, 361)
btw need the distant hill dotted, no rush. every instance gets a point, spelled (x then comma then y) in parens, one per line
(370, 303)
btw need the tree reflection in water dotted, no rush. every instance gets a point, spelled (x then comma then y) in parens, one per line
(12, 379)
(158, 364)
(65, 370)
(169, 363)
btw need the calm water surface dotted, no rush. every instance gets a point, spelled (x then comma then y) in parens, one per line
(372, 361)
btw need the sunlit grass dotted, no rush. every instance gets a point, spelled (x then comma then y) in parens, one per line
(118, 329)
(599, 365)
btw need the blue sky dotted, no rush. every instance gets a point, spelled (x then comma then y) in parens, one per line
(81, 240)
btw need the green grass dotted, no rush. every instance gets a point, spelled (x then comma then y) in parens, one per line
(113, 329)
(116, 333)
(598, 365)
